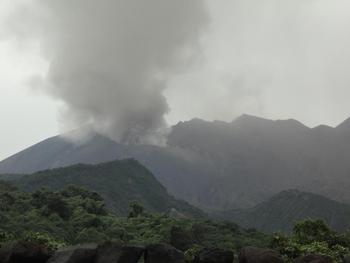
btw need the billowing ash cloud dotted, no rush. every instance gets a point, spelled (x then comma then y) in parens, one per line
(110, 60)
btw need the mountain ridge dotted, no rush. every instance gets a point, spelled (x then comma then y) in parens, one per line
(118, 182)
(218, 165)
(283, 210)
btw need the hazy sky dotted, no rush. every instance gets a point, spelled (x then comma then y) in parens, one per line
(272, 58)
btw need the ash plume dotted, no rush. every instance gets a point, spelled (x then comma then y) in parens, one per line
(109, 60)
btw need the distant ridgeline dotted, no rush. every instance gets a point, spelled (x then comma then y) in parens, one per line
(118, 182)
(219, 165)
(283, 210)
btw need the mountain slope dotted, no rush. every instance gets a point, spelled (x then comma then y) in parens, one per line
(172, 166)
(118, 182)
(59, 152)
(281, 211)
(219, 165)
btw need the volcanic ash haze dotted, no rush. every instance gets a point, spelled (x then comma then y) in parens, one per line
(109, 59)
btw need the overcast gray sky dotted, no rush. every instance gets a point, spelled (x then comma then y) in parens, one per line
(272, 58)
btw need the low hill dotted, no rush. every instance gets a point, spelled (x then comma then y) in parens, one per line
(118, 182)
(283, 210)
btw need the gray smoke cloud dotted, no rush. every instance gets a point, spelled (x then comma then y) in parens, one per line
(109, 60)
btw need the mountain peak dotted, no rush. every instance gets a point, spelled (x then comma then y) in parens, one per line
(250, 118)
(292, 123)
(323, 130)
(253, 121)
(345, 125)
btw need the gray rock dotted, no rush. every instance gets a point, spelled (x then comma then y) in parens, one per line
(75, 254)
(24, 252)
(346, 259)
(161, 253)
(313, 259)
(114, 252)
(214, 255)
(259, 255)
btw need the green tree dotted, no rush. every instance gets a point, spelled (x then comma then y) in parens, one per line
(312, 237)
(308, 231)
(136, 210)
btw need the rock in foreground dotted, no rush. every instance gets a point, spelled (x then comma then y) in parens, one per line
(259, 255)
(161, 253)
(313, 259)
(75, 254)
(112, 252)
(23, 252)
(214, 255)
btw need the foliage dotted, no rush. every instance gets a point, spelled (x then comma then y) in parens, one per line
(136, 209)
(43, 239)
(117, 183)
(75, 215)
(312, 237)
(191, 253)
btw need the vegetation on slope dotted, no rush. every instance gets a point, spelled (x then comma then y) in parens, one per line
(312, 237)
(118, 182)
(74, 215)
(283, 210)
(219, 165)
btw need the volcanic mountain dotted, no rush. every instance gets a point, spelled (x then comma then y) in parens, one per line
(219, 165)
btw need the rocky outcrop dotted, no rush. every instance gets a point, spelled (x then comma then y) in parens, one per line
(181, 238)
(24, 252)
(110, 252)
(161, 253)
(75, 254)
(313, 259)
(259, 255)
(214, 255)
(113, 252)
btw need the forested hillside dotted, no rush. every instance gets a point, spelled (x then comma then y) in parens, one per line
(74, 215)
(282, 211)
(118, 182)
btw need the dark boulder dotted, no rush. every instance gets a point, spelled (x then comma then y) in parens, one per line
(114, 252)
(214, 255)
(259, 255)
(313, 259)
(24, 252)
(161, 253)
(180, 238)
(75, 254)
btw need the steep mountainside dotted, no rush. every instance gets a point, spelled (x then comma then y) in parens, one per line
(219, 164)
(283, 210)
(118, 182)
(175, 168)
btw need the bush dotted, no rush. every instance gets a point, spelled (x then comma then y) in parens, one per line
(312, 237)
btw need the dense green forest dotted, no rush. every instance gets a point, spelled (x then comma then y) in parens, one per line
(118, 182)
(74, 215)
